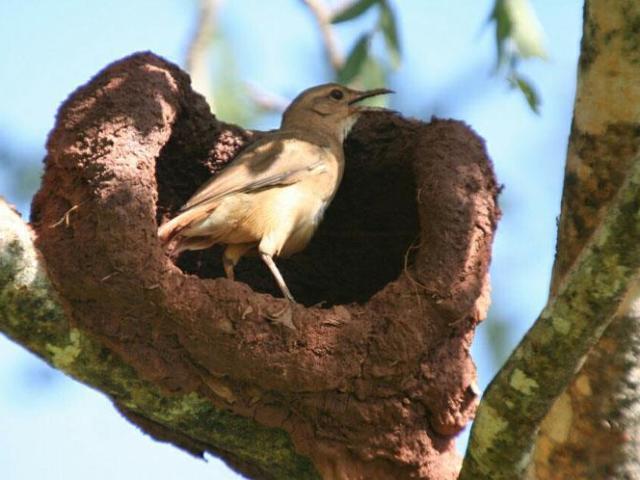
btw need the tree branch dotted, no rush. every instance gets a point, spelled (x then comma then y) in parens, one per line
(31, 315)
(593, 292)
(593, 430)
(266, 101)
(198, 51)
(322, 16)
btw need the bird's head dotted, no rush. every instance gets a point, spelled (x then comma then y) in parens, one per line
(331, 108)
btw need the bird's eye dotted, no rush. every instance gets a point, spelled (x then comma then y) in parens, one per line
(336, 94)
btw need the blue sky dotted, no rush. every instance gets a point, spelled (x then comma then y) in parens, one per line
(55, 428)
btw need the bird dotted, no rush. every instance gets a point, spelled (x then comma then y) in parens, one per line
(273, 195)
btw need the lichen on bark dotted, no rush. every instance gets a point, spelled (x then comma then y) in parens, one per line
(601, 282)
(602, 436)
(31, 315)
(590, 429)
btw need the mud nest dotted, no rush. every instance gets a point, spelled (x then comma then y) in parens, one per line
(378, 376)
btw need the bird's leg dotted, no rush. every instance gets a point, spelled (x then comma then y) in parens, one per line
(228, 265)
(266, 258)
(232, 255)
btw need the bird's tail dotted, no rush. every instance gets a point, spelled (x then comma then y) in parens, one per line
(173, 227)
(168, 230)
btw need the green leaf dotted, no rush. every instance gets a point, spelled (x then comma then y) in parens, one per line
(528, 90)
(355, 60)
(526, 30)
(353, 10)
(387, 24)
(373, 75)
(500, 15)
(517, 21)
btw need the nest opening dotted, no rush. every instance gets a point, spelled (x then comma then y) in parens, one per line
(363, 243)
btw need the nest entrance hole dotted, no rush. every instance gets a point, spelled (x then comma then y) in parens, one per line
(361, 245)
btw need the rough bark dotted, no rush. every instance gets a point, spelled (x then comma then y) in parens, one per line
(593, 430)
(601, 284)
(374, 383)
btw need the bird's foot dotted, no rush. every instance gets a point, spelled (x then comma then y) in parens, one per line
(284, 316)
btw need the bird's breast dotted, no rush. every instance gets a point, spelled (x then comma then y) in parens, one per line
(280, 219)
(306, 213)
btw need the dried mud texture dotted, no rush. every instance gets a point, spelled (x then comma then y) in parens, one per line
(376, 381)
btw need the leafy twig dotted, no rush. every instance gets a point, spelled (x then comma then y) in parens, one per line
(264, 100)
(198, 49)
(322, 16)
(519, 35)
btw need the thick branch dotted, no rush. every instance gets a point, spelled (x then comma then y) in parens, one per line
(31, 315)
(522, 393)
(593, 430)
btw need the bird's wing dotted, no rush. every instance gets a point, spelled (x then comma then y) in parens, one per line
(276, 159)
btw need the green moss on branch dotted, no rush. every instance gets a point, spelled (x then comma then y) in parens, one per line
(548, 357)
(32, 317)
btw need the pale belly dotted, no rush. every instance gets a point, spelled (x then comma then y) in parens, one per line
(280, 221)
(301, 236)
(292, 220)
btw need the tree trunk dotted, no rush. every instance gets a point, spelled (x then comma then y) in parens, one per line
(593, 430)
(590, 429)
(375, 381)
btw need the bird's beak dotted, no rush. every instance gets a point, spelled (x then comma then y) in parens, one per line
(355, 109)
(359, 96)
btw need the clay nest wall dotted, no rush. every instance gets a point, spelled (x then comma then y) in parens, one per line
(376, 380)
